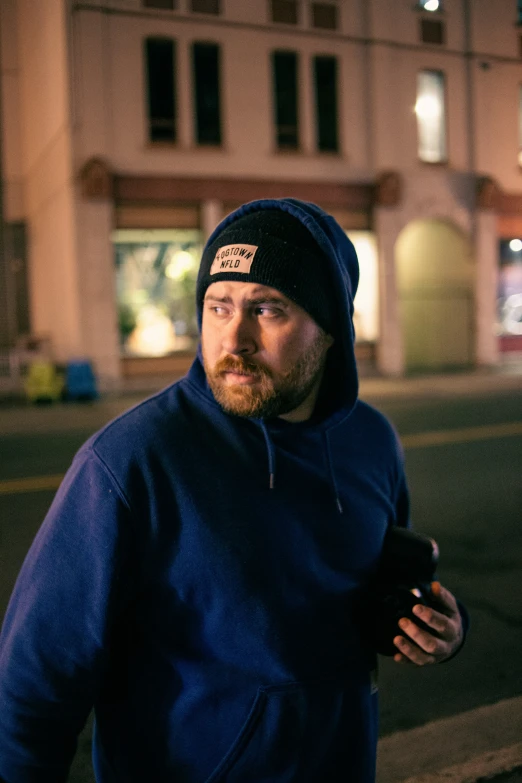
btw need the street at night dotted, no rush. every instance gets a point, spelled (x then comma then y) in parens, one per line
(463, 458)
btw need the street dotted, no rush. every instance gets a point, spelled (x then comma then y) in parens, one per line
(463, 461)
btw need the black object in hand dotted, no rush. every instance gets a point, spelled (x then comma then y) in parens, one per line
(406, 570)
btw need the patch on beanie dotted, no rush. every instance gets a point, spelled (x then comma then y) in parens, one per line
(234, 258)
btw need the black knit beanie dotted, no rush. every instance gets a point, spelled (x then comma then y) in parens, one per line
(273, 248)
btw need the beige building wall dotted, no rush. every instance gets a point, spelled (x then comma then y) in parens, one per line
(111, 115)
(47, 173)
(13, 197)
(73, 78)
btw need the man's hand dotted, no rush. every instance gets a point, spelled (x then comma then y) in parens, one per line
(421, 647)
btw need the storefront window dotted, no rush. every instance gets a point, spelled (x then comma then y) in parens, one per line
(366, 304)
(156, 274)
(509, 313)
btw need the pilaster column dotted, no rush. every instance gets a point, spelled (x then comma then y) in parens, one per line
(390, 348)
(486, 287)
(211, 215)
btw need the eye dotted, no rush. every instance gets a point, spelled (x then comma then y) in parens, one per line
(218, 310)
(267, 311)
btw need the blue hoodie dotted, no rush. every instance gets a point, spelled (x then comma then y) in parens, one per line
(208, 616)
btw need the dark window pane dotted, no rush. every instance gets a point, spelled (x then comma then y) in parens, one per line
(207, 98)
(326, 103)
(285, 99)
(284, 11)
(161, 91)
(432, 31)
(204, 6)
(324, 15)
(169, 4)
(519, 11)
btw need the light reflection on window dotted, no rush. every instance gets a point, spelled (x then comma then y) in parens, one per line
(431, 116)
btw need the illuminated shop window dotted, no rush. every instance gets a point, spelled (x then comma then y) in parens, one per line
(366, 303)
(509, 309)
(156, 274)
(430, 109)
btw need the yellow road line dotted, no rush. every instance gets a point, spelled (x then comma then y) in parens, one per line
(418, 440)
(30, 484)
(463, 435)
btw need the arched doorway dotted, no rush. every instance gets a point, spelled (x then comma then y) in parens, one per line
(435, 289)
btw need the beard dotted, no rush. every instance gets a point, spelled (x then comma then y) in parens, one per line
(274, 393)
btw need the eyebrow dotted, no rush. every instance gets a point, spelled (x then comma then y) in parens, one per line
(253, 302)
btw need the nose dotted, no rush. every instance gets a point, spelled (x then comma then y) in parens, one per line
(238, 337)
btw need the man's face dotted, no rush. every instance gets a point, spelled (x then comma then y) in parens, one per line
(263, 354)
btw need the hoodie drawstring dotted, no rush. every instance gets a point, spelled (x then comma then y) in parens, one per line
(331, 473)
(271, 455)
(271, 464)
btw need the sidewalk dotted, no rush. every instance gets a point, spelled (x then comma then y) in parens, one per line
(484, 744)
(17, 416)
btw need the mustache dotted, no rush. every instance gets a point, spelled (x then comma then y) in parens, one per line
(240, 365)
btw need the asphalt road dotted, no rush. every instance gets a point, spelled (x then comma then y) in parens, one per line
(464, 465)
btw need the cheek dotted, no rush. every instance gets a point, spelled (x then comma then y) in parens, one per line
(287, 348)
(209, 342)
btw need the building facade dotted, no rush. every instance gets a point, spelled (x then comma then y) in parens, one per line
(131, 127)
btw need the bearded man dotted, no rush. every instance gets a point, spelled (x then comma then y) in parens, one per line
(199, 575)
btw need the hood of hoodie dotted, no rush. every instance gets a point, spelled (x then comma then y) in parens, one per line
(340, 385)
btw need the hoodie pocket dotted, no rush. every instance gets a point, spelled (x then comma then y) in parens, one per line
(301, 732)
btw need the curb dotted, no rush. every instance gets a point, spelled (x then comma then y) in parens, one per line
(474, 746)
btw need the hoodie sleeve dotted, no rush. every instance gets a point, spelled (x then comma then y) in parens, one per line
(53, 645)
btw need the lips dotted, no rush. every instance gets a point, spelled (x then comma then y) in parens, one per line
(240, 377)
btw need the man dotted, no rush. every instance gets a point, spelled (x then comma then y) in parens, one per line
(198, 575)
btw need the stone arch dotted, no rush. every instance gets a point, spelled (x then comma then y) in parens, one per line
(435, 273)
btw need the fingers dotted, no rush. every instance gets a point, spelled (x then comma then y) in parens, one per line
(445, 598)
(423, 647)
(417, 646)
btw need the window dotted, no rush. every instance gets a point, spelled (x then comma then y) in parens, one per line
(284, 11)
(324, 16)
(286, 100)
(509, 312)
(168, 4)
(205, 6)
(519, 11)
(207, 93)
(159, 54)
(430, 5)
(325, 73)
(520, 125)
(430, 109)
(156, 275)
(432, 31)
